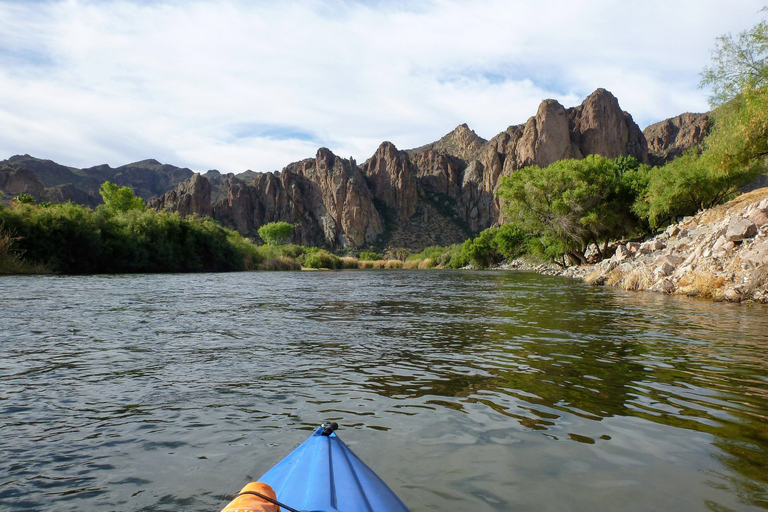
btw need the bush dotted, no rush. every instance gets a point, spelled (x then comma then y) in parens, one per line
(370, 256)
(275, 233)
(74, 239)
(321, 259)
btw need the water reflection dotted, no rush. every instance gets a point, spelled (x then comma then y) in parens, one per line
(486, 390)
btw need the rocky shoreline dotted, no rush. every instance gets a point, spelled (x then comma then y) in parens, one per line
(720, 254)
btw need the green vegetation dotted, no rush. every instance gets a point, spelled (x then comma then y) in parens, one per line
(24, 199)
(738, 64)
(119, 199)
(734, 153)
(75, 239)
(370, 256)
(568, 205)
(275, 233)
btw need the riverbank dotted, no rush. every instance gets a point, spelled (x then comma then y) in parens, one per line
(720, 253)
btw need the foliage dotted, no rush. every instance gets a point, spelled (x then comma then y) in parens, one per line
(734, 154)
(275, 233)
(24, 199)
(70, 238)
(738, 64)
(321, 259)
(370, 256)
(119, 199)
(571, 203)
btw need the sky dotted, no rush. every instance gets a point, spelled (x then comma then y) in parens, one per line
(256, 84)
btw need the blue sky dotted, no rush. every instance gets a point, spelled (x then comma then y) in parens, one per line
(237, 85)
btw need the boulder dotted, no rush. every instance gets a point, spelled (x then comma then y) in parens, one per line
(740, 228)
(620, 255)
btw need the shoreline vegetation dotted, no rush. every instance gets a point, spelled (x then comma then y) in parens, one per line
(617, 220)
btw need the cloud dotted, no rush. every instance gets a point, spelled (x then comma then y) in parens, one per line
(236, 85)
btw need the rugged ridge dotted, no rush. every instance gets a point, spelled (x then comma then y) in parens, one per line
(668, 139)
(442, 192)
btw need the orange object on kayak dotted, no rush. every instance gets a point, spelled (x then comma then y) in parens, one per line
(251, 503)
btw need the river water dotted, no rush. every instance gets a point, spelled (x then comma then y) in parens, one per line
(481, 391)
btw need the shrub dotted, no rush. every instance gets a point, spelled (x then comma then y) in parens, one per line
(370, 256)
(275, 233)
(321, 259)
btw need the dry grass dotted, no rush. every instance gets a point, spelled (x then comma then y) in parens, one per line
(366, 264)
(393, 264)
(639, 278)
(350, 262)
(726, 210)
(411, 264)
(279, 263)
(593, 276)
(702, 284)
(427, 264)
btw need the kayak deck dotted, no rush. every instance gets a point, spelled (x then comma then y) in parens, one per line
(324, 475)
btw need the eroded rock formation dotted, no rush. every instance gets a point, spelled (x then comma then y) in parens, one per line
(441, 193)
(668, 139)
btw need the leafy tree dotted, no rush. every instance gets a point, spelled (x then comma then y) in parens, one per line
(738, 63)
(120, 199)
(275, 233)
(572, 203)
(24, 199)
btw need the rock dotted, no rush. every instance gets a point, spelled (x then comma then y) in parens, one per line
(599, 126)
(546, 137)
(620, 254)
(758, 217)
(665, 268)
(672, 230)
(15, 181)
(757, 253)
(669, 259)
(734, 293)
(668, 139)
(740, 228)
(392, 179)
(668, 286)
(192, 196)
(633, 247)
(651, 246)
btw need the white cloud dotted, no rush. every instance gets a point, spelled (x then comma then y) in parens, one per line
(89, 82)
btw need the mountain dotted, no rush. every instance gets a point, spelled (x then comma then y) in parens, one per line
(436, 194)
(48, 181)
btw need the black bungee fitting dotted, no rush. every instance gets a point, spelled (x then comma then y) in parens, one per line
(328, 428)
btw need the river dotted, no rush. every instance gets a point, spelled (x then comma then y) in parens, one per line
(481, 391)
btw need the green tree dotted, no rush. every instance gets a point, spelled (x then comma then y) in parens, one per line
(738, 63)
(572, 203)
(275, 233)
(120, 199)
(24, 199)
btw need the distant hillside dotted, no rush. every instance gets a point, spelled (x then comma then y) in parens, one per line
(437, 194)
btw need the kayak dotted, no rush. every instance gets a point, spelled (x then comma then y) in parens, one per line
(323, 475)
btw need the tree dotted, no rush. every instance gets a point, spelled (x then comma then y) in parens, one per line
(738, 64)
(24, 199)
(572, 203)
(275, 233)
(120, 199)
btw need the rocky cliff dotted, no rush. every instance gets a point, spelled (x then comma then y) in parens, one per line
(439, 193)
(668, 139)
